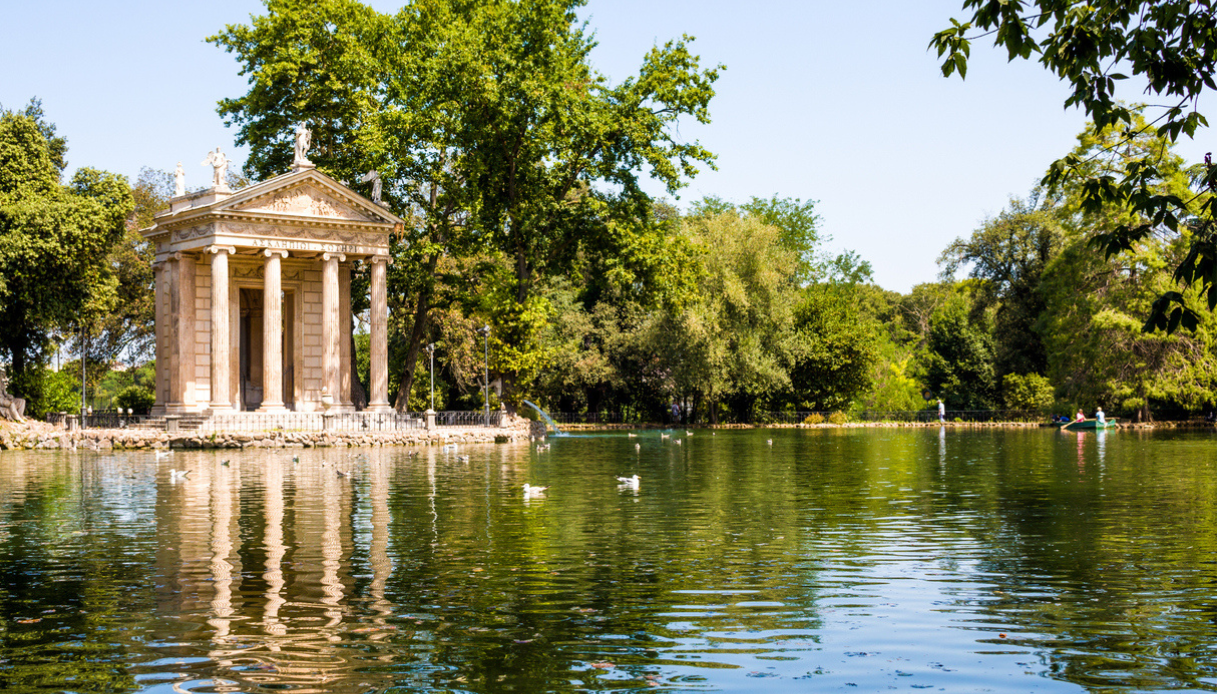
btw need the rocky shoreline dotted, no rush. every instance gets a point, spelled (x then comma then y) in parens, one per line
(40, 436)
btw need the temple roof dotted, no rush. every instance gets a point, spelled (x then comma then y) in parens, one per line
(304, 211)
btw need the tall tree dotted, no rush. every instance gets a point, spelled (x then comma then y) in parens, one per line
(1171, 45)
(1008, 254)
(542, 137)
(54, 242)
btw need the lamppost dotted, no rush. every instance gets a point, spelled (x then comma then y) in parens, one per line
(431, 354)
(484, 331)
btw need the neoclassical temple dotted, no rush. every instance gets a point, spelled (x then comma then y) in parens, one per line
(253, 294)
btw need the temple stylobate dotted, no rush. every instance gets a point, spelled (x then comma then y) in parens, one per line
(253, 295)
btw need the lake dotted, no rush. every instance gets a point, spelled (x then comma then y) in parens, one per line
(787, 560)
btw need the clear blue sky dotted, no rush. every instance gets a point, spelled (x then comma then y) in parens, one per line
(836, 102)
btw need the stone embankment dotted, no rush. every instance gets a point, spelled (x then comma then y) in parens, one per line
(39, 436)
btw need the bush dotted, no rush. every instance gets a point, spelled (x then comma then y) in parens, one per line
(838, 418)
(1027, 392)
(137, 398)
(814, 418)
(46, 391)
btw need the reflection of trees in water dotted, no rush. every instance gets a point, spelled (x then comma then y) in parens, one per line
(431, 572)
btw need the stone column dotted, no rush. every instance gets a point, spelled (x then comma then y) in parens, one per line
(344, 338)
(221, 338)
(184, 311)
(234, 349)
(330, 324)
(173, 325)
(272, 333)
(162, 332)
(378, 399)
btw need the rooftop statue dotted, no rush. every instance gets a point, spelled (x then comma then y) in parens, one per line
(179, 181)
(304, 139)
(373, 177)
(219, 164)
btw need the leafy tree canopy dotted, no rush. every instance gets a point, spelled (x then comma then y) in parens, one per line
(1171, 45)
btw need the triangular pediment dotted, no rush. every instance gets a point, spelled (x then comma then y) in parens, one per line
(306, 200)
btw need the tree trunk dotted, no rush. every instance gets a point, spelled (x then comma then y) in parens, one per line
(421, 314)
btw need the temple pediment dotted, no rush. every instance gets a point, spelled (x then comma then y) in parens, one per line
(306, 200)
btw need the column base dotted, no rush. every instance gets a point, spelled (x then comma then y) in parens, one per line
(221, 408)
(379, 407)
(272, 408)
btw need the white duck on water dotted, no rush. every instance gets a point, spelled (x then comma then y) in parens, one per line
(531, 492)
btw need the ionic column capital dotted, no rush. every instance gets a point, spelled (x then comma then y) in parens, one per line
(268, 252)
(230, 250)
(328, 256)
(386, 259)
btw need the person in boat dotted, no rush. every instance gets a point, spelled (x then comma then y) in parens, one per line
(1098, 414)
(1081, 416)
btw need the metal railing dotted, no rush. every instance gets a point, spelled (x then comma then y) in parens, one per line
(453, 418)
(340, 421)
(928, 415)
(98, 420)
(312, 421)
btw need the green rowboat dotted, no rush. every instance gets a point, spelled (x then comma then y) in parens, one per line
(1087, 424)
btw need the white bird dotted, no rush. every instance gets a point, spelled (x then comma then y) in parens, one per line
(638, 446)
(632, 435)
(462, 458)
(688, 433)
(175, 475)
(677, 442)
(665, 436)
(531, 491)
(629, 482)
(161, 455)
(769, 441)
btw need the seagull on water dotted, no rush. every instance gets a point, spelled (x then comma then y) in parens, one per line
(677, 442)
(769, 441)
(629, 482)
(161, 455)
(638, 446)
(533, 492)
(462, 458)
(175, 475)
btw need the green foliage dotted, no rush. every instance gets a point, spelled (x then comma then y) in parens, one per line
(958, 366)
(735, 341)
(137, 398)
(838, 418)
(496, 139)
(1168, 43)
(54, 244)
(1027, 392)
(839, 349)
(47, 391)
(1008, 254)
(814, 418)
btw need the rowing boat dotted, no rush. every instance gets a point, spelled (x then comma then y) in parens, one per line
(1087, 424)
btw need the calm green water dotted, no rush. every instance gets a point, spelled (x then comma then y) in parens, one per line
(850, 560)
